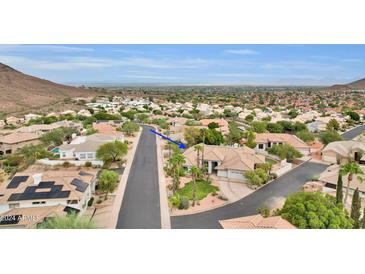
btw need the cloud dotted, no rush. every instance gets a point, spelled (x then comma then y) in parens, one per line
(241, 51)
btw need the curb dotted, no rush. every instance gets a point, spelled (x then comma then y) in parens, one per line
(164, 207)
(122, 185)
(269, 182)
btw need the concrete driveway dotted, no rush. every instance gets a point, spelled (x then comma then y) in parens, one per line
(269, 195)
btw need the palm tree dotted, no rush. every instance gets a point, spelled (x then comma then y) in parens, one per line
(350, 169)
(177, 162)
(108, 182)
(198, 149)
(195, 172)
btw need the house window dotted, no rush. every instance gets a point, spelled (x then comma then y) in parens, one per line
(261, 146)
(15, 205)
(90, 155)
(82, 156)
(63, 154)
(39, 203)
(8, 151)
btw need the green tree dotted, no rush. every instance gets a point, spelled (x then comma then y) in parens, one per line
(356, 208)
(354, 115)
(129, 128)
(314, 210)
(213, 125)
(195, 173)
(275, 128)
(176, 162)
(350, 169)
(329, 136)
(108, 182)
(305, 135)
(192, 136)
(71, 221)
(285, 151)
(198, 149)
(257, 177)
(249, 118)
(235, 134)
(339, 190)
(333, 125)
(112, 151)
(293, 113)
(211, 137)
(258, 127)
(57, 137)
(251, 139)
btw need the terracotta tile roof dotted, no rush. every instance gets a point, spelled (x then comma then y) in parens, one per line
(31, 216)
(330, 175)
(18, 137)
(344, 148)
(256, 222)
(281, 137)
(236, 158)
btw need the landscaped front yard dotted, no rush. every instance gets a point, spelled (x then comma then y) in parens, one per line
(203, 189)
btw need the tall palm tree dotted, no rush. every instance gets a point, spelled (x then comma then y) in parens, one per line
(198, 149)
(195, 172)
(350, 169)
(177, 162)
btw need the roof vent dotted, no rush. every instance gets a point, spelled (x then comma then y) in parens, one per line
(37, 178)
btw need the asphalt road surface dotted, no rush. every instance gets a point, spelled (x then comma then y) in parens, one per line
(281, 187)
(141, 202)
(351, 134)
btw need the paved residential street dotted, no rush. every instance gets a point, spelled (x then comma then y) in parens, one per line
(351, 134)
(141, 201)
(282, 187)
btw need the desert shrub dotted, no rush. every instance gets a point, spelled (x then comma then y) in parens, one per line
(184, 203)
(264, 211)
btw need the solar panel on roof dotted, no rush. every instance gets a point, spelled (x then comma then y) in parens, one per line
(16, 181)
(80, 185)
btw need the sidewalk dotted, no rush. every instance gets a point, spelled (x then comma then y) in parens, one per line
(164, 207)
(113, 218)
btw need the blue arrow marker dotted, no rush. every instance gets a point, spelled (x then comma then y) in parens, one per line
(181, 145)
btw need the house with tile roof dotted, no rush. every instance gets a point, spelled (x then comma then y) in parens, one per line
(84, 148)
(340, 152)
(225, 161)
(30, 217)
(28, 189)
(267, 140)
(257, 222)
(12, 142)
(329, 177)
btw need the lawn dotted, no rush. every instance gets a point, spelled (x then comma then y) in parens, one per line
(203, 188)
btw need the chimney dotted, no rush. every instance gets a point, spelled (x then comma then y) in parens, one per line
(37, 178)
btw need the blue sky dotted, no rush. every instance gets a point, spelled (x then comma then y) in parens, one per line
(190, 64)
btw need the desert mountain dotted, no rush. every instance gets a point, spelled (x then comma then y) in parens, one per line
(19, 91)
(359, 84)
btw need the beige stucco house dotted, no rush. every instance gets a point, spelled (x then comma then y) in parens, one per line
(226, 162)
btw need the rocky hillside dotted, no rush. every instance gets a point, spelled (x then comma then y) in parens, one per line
(19, 91)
